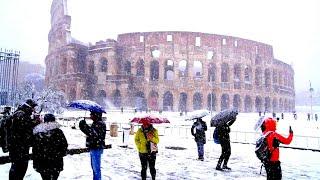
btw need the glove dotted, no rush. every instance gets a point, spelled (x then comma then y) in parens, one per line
(290, 130)
(82, 123)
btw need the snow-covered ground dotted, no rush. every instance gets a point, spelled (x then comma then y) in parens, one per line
(123, 163)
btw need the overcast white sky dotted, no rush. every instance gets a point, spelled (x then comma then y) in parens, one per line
(292, 27)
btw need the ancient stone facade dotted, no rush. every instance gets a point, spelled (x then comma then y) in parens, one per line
(175, 71)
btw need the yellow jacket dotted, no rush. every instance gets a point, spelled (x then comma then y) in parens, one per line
(141, 141)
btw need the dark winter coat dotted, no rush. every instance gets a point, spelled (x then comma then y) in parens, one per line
(50, 145)
(224, 131)
(96, 133)
(199, 135)
(20, 137)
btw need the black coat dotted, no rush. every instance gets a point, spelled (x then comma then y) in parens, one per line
(199, 135)
(96, 133)
(20, 137)
(50, 145)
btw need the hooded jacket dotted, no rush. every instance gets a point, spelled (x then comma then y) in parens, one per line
(141, 141)
(273, 139)
(96, 133)
(199, 135)
(50, 145)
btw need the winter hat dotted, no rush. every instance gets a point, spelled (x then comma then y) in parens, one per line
(31, 103)
(270, 124)
(49, 118)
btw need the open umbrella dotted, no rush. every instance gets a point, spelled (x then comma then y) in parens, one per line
(259, 123)
(87, 105)
(223, 117)
(151, 119)
(197, 114)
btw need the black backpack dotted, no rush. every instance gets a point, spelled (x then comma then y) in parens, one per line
(262, 150)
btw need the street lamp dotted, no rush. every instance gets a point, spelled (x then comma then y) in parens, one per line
(311, 91)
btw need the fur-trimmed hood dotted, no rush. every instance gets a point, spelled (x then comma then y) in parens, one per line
(45, 127)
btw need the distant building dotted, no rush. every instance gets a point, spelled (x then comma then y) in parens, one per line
(9, 63)
(169, 70)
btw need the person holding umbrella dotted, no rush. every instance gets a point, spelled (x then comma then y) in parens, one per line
(199, 135)
(145, 139)
(95, 141)
(224, 138)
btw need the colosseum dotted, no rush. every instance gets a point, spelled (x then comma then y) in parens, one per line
(169, 71)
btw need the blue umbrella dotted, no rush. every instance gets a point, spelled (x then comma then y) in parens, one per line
(87, 105)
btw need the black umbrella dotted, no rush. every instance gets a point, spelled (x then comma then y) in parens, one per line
(224, 117)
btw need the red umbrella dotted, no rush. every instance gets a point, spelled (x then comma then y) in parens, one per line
(150, 119)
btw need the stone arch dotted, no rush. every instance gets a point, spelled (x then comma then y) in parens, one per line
(212, 102)
(212, 72)
(140, 101)
(267, 104)
(168, 70)
(247, 74)
(258, 104)
(197, 69)
(224, 72)
(140, 68)
(197, 101)
(127, 67)
(183, 71)
(275, 105)
(103, 65)
(168, 101)
(117, 100)
(258, 77)
(237, 76)
(154, 70)
(101, 97)
(91, 67)
(183, 97)
(237, 102)
(225, 102)
(153, 100)
(280, 105)
(247, 104)
(267, 78)
(72, 94)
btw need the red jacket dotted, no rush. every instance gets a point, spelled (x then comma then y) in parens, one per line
(275, 150)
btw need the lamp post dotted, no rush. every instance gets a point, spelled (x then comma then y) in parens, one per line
(211, 81)
(311, 91)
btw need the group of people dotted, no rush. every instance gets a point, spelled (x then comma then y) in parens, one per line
(268, 128)
(48, 142)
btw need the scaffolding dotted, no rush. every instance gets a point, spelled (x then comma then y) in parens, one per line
(9, 64)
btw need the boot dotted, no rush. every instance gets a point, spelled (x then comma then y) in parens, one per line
(226, 167)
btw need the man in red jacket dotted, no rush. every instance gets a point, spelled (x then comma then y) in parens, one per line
(273, 167)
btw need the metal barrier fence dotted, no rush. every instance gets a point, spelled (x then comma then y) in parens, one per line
(299, 141)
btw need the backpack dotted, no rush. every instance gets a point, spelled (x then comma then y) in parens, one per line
(262, 150)
(215, 136)
(5, 129)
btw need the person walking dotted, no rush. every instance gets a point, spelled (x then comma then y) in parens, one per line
(144, 138)
(50, 146)
(20, 139)
(199, 136)
(95, 141)
(273, 167)
(224, 138)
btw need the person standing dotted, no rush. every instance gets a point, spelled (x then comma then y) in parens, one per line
(20, 139)
(224, 138)
(50, 146)
(273, 167)
(199, 136)
(95, 141)
(146, 135)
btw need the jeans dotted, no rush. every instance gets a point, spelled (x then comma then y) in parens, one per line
(200, 149)
(145, 159)
(18, 170)
(95, 155)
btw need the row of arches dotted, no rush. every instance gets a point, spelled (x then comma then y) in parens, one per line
(256, 75)
(212, 101)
